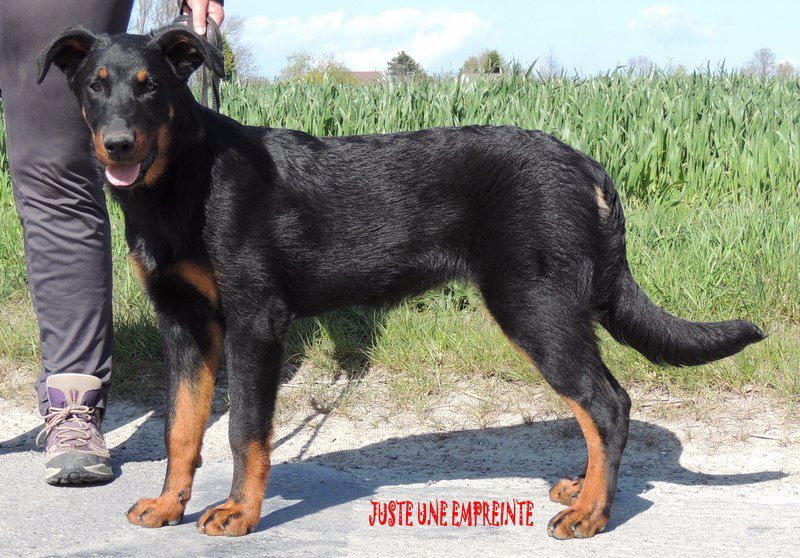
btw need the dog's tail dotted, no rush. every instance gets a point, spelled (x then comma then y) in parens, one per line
(633, 319)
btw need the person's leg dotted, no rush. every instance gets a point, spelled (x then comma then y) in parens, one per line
(61, 205)
(65, 229)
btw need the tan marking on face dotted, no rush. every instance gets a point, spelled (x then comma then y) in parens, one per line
(602, 205)
(100, 149)
(85, 117)
(141, 75)
(200, 278)
(102, 73)
(162, 156)
(171, 112)
(141, 145)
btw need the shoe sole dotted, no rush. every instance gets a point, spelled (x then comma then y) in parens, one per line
(79, 475)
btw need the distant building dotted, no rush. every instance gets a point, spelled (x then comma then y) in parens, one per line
(368, 78)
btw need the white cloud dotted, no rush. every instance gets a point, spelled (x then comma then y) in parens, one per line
(366, 42)
(672, 23)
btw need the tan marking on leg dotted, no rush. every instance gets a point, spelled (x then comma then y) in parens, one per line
(141, 75)
(200, 278)
(523, 353)
(258, 469)
(184, 442)
(162, 156)
(587, 516)
(602, 205)
(238, 515)
(138, 268)
(566, 491)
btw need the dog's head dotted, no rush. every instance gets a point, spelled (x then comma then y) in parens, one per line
(127, 86)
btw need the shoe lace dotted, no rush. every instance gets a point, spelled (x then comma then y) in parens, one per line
(77, 429)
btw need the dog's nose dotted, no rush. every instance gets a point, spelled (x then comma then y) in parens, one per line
(119, 144)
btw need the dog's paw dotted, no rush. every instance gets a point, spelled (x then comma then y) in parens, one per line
(156, 512)
(566, 491)
(577, 522)
(231, 519)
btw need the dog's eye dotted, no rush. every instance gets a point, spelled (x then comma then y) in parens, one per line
(95, 86)
(150, 86)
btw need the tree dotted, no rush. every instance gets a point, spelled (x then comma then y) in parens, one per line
(549, 66)
(298, 64)
(152, 14)
(762, 64)
(144, 11)
(494, 62)
(472, 65)
(677, 70)
(163, 13)
(784, 69)
(229, 57)
(402, 67)
(302, 66)
(487, 62)
(243, 63)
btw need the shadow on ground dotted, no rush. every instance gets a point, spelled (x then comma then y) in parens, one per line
(140, 374)
(546, 450)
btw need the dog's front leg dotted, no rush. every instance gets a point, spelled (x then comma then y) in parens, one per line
(192, 343)
(253, 349)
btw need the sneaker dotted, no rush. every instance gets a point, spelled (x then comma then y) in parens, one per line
(75, 451)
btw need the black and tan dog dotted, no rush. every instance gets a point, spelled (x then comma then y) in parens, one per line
(237, 230)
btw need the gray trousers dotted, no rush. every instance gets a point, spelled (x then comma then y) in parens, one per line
(62, 207)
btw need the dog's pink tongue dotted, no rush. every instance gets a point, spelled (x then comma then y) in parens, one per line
(122, 175)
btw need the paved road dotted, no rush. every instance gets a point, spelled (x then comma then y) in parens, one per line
(746, 501)
(319, 511)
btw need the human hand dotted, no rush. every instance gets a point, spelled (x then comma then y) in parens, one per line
(202, 8)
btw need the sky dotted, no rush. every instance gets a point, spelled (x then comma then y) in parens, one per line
(585, 37)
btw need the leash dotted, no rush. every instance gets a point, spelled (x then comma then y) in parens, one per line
(214, 38)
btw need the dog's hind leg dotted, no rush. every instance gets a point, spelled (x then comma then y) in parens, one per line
(558, 337)
(253, 349)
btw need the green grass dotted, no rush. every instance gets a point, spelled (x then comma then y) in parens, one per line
(708, 169)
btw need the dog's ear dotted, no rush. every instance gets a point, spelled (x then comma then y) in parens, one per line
(67, 52)
(187, 51)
